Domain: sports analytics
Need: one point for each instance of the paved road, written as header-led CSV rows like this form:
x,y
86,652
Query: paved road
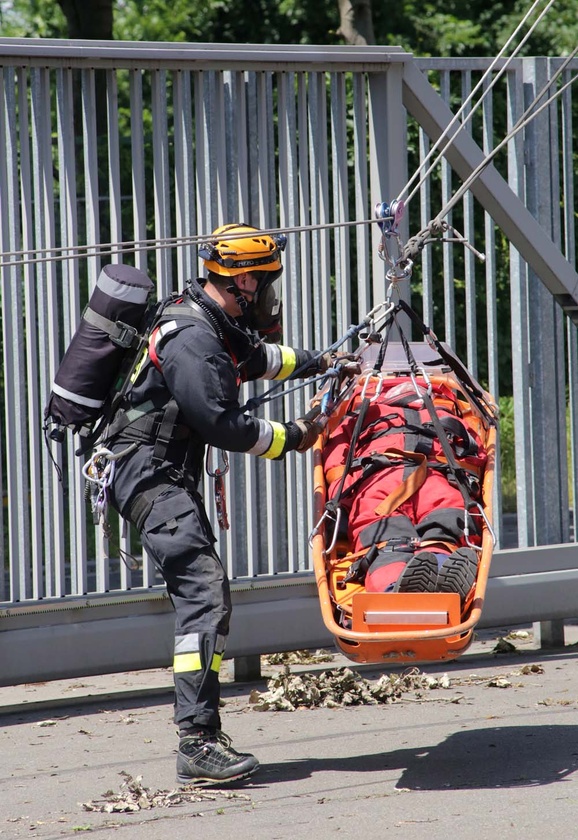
x,y
473,761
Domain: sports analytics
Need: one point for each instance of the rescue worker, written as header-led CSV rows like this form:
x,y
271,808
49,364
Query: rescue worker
x,y
185,397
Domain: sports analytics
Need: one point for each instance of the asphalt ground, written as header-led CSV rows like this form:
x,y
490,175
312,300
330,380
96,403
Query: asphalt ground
x,y
492,755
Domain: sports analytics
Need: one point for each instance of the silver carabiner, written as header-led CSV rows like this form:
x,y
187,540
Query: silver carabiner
x,y
317,529
378,387
218,473
482,513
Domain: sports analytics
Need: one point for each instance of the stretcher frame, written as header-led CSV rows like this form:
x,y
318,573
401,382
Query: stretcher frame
x,y
399,627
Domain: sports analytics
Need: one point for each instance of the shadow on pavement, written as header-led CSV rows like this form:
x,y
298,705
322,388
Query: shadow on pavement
x,y
501,757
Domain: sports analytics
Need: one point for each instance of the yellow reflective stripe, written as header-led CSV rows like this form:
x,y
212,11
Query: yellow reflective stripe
x,y
186,662
288,362
140,365
277,444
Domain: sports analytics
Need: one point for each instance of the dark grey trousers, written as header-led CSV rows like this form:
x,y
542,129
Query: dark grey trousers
x,y
178,537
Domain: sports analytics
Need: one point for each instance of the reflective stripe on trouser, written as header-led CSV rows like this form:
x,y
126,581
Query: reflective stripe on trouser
x,y
188,654
178,539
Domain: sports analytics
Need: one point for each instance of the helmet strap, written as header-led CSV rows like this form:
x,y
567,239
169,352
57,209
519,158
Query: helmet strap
x,y
240,299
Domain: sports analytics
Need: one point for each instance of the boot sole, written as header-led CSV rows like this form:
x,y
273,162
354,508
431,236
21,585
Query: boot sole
x,y
419,575
208,782
458,573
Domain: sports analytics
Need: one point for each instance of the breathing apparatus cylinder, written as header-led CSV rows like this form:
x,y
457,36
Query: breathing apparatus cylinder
x,y
92,362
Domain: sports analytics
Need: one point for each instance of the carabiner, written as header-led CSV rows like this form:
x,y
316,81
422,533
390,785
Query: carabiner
x,y
482,513
218,472
378,387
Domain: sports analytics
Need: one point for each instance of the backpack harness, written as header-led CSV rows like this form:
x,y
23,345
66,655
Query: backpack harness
x,y
145,423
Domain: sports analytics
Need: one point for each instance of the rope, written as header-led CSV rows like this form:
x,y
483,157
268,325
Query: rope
x,y
528,115
64,252
467,101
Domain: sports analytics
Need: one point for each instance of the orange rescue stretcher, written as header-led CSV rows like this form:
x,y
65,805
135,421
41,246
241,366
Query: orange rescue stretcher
x,y
370,627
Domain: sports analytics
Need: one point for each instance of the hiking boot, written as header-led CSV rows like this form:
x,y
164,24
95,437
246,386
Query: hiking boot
x,y
458,573
207,758
420,574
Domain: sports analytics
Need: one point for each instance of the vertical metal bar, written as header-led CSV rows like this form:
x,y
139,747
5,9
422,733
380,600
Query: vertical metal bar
x,y
296,477
304,210
568,204
203,168
469,258
139,204
114,177
92,221
274,548
6,118
37,464
14,351
319,209
520,332
241,545
91,190
340,201
184,174
448,254
548,427
492,330
46,283
115,215
560,502
159,115
139,216
388,167
362,204
425,215
215,106
10,280
71,314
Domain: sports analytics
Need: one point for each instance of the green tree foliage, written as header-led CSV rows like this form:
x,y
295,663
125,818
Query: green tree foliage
x,y
434,27
31,19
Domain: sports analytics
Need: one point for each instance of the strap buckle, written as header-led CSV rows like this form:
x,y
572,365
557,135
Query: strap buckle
x,y
125,336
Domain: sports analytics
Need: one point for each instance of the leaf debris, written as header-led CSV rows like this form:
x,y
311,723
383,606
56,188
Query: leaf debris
x,y
339,687
134,796
299,657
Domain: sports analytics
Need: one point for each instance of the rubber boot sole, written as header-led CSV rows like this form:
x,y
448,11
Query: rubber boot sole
x,y
458,573
419,575
208,782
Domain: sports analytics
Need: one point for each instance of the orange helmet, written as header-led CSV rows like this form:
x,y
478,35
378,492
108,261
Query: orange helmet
x,y
244,248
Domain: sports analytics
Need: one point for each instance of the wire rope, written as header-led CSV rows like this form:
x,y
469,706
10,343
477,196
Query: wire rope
x,y
457,115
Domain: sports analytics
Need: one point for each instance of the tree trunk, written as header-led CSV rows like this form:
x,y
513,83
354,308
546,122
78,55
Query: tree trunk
x,y
88,19
356,21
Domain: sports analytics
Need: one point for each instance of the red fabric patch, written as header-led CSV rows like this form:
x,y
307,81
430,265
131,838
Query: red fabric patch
x,y
380,579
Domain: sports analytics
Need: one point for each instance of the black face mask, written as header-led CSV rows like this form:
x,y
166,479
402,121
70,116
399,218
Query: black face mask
x,y
264,315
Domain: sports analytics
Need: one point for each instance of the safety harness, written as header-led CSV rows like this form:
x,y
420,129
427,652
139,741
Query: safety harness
x,y
147,424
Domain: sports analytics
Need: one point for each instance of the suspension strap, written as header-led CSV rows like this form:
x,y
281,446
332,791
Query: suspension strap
x,y
458,472
463,374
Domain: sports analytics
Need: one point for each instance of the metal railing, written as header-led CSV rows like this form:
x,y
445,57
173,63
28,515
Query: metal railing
x,y
151,145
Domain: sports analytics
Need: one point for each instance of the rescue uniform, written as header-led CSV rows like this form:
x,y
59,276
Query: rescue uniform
x,y
187,399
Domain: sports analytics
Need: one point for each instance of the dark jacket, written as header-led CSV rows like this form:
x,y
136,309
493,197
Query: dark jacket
x,y
200,364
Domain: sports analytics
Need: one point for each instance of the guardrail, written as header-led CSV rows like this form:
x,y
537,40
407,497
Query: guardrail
x,y
114,633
